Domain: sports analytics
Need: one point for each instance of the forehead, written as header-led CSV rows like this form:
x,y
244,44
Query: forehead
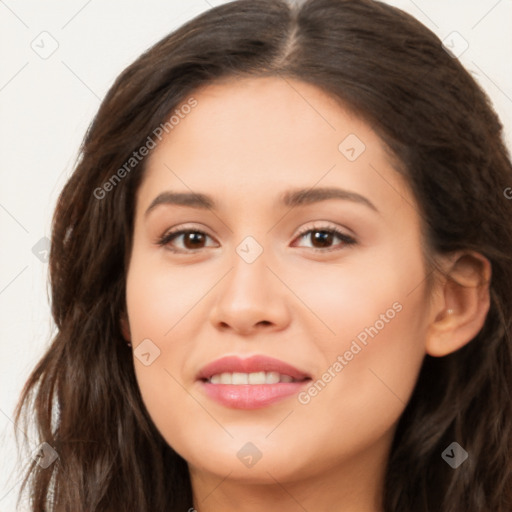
x,y
279,112
254,137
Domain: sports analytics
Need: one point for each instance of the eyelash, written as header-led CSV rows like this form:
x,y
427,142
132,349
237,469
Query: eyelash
x,y
165,239
347,240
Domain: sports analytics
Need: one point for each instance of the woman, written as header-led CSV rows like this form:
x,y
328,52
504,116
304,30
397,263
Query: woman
x,y
280,275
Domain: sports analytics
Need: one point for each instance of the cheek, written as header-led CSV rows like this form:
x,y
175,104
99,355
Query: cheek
x,y
159,297
365,386
372,360
163,304
365,290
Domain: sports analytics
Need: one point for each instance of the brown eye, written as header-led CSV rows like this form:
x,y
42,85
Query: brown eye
x,y
323,238
191,239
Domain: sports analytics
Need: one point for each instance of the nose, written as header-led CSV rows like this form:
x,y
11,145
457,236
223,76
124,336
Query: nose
x,y
251,299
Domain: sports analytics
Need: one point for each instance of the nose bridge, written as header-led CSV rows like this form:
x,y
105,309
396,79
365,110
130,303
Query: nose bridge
x,y
249,278
250,294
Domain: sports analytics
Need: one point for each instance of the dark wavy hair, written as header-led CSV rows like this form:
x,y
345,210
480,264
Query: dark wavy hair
x,y
441,129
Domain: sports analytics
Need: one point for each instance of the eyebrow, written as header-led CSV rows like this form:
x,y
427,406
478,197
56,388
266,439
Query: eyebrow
x,y
301,197
290,198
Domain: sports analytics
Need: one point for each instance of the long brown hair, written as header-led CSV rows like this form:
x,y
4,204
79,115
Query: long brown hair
x,y
439,126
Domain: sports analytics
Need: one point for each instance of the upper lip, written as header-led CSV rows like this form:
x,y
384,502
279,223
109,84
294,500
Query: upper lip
x,y
258,363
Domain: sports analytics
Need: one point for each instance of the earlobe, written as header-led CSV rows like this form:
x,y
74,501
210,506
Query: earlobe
x,y
464,302
125,327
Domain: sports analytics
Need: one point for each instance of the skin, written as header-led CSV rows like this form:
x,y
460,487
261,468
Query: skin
x,y
246,143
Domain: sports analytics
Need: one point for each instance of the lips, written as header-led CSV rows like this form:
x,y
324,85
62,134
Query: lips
x,y
250,383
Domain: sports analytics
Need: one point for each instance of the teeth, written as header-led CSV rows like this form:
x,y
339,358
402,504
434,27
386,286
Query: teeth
x,y
272,378
225,378
250,378
239,378
257,378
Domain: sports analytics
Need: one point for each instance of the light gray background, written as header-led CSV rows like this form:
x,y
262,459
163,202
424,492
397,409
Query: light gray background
x,y
47,102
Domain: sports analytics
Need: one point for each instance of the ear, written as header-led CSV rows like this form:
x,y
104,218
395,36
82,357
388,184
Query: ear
x,y
125,327
461,304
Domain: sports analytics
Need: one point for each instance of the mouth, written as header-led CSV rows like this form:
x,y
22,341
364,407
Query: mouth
x,y
250,383
254,378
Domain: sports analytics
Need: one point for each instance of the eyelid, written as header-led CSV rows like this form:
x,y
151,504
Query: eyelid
x,y
323,225
347,239
180,230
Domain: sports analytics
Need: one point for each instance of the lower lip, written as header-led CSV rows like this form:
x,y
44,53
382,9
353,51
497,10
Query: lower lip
x,y
251,396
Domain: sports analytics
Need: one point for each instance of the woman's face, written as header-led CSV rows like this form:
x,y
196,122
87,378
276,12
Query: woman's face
x,y
271,278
